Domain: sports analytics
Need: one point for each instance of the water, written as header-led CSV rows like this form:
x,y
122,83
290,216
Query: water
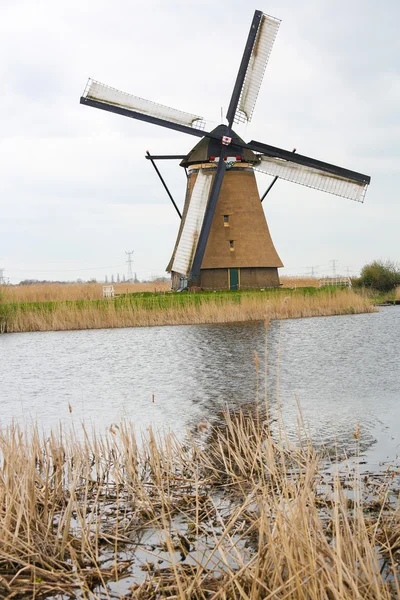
x,y
342,370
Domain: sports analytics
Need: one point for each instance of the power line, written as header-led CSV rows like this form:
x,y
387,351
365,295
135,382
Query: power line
x,y
303,267
313,270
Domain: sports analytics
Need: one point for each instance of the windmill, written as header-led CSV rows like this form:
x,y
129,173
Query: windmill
x,y
223,239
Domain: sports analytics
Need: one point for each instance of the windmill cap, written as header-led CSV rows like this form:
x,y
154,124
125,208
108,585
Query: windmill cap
x,y
208,148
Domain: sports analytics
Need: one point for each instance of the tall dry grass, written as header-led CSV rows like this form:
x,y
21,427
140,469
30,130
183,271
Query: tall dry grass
x,y
294,282
57,292
182,311
239,515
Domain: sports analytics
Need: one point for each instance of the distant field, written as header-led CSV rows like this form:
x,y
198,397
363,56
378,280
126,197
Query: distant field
x,y
57,292
293,282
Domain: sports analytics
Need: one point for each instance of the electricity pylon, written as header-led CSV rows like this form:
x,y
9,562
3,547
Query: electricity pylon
x,y
129,261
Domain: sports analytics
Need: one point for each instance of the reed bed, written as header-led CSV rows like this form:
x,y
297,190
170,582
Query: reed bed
x,y
180,309
59,292
238,512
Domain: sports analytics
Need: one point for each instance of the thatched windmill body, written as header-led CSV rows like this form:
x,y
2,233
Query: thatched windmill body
x,y
223,240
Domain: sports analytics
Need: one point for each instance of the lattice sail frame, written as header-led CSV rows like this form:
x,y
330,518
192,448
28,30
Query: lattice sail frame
x,y
187,245
313,178
103,93
262,48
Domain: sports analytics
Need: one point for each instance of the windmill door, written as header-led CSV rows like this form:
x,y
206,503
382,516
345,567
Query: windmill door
x,y
233,279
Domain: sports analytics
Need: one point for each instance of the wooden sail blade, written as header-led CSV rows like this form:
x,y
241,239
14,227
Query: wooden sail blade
x,y
103,93
274,152
193,224
313,177
107,98
258,48
208,219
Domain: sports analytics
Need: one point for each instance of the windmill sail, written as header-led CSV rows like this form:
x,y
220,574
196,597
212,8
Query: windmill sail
x,y
187,245
266,34
111,96
312,177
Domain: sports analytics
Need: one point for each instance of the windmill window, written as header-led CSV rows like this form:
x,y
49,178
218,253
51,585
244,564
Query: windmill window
x,y
226,220
232,245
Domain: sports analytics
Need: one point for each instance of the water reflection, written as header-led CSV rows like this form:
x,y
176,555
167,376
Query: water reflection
x,y
342,369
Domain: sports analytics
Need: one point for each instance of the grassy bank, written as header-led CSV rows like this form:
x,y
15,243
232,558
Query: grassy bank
x,y
238,514
377,298
148,309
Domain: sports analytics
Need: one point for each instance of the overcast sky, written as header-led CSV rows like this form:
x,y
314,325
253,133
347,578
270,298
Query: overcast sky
x,y
75,189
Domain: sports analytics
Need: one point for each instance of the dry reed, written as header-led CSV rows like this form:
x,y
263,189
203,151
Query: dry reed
x,y
239,515
58,292
185,310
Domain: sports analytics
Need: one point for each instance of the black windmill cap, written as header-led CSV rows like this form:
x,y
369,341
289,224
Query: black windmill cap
x,y
212,147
